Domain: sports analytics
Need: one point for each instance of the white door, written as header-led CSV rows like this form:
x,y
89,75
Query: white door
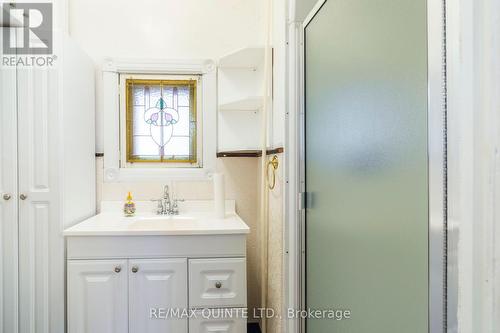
x,y
8,200
155,287
41,245
97,296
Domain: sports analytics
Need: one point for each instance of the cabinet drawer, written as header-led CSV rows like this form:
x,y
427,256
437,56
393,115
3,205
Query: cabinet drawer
x,y
218,321
215,283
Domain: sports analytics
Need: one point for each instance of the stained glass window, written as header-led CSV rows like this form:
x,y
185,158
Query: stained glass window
x,y
161,121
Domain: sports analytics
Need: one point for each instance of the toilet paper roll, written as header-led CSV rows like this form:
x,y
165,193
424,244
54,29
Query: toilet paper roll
x,y
219,195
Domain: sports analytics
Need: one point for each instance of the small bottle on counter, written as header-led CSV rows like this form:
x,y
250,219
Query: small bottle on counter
x,y
129,206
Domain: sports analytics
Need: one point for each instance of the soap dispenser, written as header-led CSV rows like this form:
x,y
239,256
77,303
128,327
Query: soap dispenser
x,y
129,206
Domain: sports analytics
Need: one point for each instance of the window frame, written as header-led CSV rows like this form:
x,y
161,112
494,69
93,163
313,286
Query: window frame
x,y
125,113
111,69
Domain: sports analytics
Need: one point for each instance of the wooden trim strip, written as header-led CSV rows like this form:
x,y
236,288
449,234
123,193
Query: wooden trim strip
x,y
237,153
249,153
273,151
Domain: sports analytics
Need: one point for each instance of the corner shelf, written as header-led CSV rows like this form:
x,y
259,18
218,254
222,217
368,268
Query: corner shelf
x,y
252,103
244,58
240,86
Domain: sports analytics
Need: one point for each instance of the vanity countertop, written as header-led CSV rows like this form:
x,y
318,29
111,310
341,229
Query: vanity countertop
x,y
195,218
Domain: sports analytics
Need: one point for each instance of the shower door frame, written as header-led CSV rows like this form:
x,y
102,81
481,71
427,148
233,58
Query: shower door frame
x,y
437,150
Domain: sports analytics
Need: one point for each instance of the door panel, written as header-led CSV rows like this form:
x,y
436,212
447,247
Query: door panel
x,y
41,245
366,165
8,204
97,296
157,284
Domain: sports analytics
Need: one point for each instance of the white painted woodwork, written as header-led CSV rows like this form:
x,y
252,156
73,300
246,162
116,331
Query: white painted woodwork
x,y
159,275
473,69
250,103
47,149
157,284
41,247
239,130
239,81
78,134
8,208
240,89
97,296
156,246
244,58
215,283
113,170
218,321
280,44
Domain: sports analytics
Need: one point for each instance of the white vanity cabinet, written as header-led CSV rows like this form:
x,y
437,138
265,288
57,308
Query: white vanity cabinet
x,y
130,283
120,295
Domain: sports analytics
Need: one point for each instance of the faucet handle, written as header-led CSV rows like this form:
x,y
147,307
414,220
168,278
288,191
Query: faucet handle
x,y
176,201
175,206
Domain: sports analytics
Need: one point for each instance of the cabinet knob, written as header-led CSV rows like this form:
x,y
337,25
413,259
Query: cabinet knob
x,y
23,196
218,284
6,196
118,269
135,269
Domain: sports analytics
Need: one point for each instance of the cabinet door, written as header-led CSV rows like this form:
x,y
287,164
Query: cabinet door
x,y
97,296
155,287
8,200
41,245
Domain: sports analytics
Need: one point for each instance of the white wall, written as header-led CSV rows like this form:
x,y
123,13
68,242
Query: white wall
x,y
165,29
474,164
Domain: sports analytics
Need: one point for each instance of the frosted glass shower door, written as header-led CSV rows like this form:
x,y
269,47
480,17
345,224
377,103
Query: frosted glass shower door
x,y
366,166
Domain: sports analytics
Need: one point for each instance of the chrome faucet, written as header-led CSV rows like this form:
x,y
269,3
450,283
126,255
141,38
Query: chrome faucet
x,y
166,206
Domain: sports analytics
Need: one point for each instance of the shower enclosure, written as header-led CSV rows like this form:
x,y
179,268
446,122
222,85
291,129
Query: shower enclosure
x,y
373,166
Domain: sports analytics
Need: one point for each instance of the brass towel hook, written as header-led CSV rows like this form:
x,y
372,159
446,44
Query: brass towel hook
x,y
274,164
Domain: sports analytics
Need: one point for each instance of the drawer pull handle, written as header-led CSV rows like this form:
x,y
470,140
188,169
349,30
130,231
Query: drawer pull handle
x,y
118,269
135,269
218,284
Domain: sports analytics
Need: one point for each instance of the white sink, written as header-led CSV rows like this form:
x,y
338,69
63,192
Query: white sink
x,y
196,218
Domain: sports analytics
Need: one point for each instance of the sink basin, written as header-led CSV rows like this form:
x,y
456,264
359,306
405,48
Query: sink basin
x,y
195,218
158,221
